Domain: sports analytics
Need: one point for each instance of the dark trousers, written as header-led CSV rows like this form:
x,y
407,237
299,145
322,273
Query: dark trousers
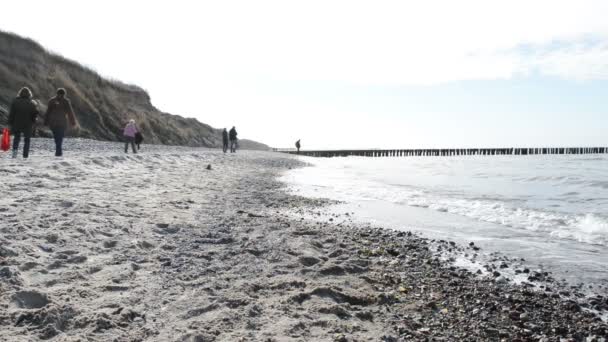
x,y
131,141
232,145
225,146
26,143
58,135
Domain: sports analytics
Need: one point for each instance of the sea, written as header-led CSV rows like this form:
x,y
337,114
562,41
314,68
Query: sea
x,y
549,210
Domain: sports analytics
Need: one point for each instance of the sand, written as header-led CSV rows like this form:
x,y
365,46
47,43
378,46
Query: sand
x,y
103,246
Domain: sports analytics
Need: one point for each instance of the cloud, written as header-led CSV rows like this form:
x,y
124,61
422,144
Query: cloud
x,y
361,42
404,43
578,60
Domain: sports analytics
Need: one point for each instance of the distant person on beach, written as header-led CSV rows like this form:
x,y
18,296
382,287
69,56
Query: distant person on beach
x,y
58,114
129,133
298,145
139,138
225,139
21,119
233,139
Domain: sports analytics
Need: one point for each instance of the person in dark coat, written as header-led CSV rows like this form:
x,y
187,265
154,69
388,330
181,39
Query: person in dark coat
x,y
225,139
233,139
21,119
298,145
139,138
58,114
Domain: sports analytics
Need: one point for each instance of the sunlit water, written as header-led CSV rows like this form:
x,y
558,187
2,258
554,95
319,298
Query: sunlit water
x,y
551,210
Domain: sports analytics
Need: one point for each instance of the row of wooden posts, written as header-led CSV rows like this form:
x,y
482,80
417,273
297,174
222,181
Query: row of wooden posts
x,y
449,152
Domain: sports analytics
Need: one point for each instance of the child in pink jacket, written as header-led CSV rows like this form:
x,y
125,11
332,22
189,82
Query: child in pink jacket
x,y
129,133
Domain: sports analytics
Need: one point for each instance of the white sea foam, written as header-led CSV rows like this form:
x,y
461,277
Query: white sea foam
x,y
566,198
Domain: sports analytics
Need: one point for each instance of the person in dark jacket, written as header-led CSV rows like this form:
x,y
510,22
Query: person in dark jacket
x,y
233,139
298,145
58,114
139,138
21,119
225,139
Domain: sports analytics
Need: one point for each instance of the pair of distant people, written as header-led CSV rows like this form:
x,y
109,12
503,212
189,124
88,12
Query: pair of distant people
x,y
230,137
132,136
24,113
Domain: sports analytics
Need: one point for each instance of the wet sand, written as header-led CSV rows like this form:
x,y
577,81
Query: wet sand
x,y
103,246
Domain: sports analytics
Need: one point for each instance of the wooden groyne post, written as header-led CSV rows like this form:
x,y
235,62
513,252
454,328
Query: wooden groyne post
x,y
516,151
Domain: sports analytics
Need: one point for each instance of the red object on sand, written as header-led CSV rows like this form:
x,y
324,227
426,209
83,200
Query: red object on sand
x,y
6,140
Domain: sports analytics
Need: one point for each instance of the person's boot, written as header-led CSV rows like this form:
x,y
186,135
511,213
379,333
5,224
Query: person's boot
x,y
14,153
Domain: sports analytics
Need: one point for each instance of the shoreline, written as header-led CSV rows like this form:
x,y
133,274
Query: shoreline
x,y
549,219
154,247
486,257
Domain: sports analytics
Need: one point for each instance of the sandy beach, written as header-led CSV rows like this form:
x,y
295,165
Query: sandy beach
x,y
106,246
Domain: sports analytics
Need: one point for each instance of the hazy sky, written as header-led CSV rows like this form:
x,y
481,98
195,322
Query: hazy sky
x,y
350,74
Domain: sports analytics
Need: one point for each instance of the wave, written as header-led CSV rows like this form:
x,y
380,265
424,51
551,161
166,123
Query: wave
x,y
588,228
555,197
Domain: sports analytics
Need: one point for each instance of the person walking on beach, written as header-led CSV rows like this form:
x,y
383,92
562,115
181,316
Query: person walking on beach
x,y
139,138
225,139
233,140
58,114
298,145
21,119
129,132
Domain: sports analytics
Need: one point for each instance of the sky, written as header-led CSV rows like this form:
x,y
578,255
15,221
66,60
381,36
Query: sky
x,y
350,74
